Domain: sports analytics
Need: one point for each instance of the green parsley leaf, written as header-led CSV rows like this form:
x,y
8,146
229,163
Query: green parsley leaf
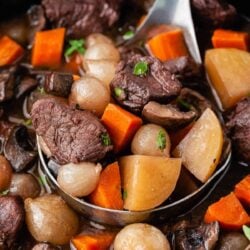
x,y
246,231
161,140
182,103
42,180
124,194
5,192
41,90
106,141
118,91
128,35
141,69
75,46
27,122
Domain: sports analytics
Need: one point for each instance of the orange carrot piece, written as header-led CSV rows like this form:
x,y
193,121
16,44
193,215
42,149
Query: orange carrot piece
x,y
168,45
230,39
108,191
10,51
48,48
73,64
93,242
121,125
242,190
229,212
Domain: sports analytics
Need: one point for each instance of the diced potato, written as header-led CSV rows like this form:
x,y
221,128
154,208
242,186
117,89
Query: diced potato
x,y
148,180
201,148
228,70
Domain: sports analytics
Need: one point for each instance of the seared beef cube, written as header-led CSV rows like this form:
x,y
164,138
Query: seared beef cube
x,y
7,83
58,84
239,129
135,91
11,219
71,135
27,84
183,67
214,12
82,17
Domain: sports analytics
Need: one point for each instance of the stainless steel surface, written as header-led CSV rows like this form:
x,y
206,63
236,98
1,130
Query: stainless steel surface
x,y
175,12
157,215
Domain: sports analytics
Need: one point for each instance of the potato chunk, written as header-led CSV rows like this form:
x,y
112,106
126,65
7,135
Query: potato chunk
x,y
148,180
201,148
228,70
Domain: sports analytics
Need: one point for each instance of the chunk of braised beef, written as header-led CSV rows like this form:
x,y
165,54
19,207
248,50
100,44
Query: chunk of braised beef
x,y
37,21
169,116
133,92
58,84
214,12
5,130
195,237
233,241
71,135
20,148
238,128
11,220
7,82
81,17
184,67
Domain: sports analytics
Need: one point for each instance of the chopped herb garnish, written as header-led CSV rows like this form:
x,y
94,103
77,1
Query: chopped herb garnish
x,y
41,90
105,139
183,104
42,180
141,69
246,231
124,194
128,35
161,140
5,192
27,122
75,46
118,91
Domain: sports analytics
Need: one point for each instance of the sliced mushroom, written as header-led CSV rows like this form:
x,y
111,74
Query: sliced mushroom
x,y
169,116
19,148
195,99
58,84
196,237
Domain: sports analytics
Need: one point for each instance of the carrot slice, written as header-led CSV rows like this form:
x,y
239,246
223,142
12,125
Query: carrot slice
x,y
229,212
230,39
168,45
93,242
108,191
48,48
121,125
242,190
10,51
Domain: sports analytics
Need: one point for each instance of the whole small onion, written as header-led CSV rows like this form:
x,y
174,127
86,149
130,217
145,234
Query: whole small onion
x,y
102,51
79,179
5,173
104,70
24,185
49,219
151,140
96,38
91,94
141,236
